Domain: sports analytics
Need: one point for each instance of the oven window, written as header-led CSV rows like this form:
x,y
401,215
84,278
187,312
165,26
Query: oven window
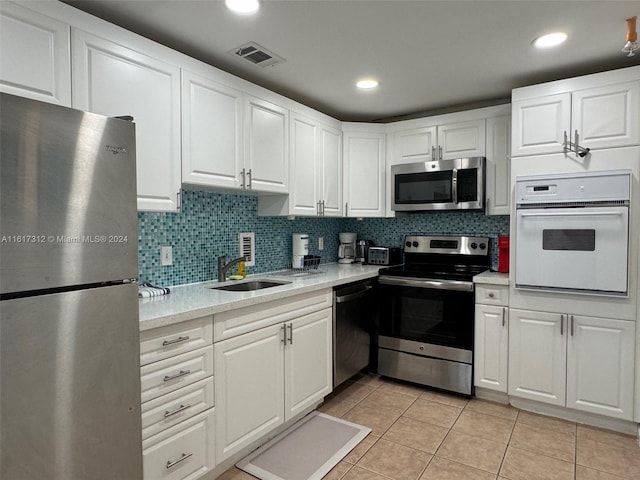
x,y
441,317
583,240
415,188
468,185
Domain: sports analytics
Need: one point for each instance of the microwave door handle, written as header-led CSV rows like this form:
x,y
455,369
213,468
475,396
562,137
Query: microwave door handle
x,y
454,186
569,214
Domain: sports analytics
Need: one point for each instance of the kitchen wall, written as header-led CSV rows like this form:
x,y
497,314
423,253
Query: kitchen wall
x,y
209,223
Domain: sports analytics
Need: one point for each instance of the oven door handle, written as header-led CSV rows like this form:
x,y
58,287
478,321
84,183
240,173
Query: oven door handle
x,y
422,283
569,214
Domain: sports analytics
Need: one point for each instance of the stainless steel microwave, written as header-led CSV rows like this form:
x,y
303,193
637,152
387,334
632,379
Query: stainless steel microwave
x,y
456,184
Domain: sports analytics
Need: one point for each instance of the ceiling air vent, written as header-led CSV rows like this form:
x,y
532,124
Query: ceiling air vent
x,y
257,55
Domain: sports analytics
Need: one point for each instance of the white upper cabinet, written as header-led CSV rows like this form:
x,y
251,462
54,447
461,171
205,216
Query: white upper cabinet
x,y
303,190
266,146
498,174
34,55
114,80
601,109
211,133
438,142
461,140
364,173
415,145
330,175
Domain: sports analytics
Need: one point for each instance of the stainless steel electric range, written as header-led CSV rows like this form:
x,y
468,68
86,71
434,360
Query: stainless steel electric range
x,y
425,330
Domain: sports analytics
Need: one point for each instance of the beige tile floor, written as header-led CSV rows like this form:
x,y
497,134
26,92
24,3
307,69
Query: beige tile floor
x,y
421,434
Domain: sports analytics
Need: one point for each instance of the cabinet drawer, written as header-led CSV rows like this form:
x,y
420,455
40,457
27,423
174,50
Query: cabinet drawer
x,y
242,320
176,372
175,407
492,294
183,452
164,342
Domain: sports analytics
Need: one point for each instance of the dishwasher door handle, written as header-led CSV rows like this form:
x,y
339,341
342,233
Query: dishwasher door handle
x,y
353,296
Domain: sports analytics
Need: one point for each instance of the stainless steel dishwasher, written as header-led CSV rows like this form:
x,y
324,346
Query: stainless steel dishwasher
x,y
352,325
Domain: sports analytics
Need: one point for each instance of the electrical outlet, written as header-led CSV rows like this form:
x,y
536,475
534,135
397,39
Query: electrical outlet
x,y
166,255
320,243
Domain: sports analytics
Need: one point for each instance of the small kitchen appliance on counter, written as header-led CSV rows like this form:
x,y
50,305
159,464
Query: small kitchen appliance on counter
x,y
300,248
347,248
384,256
362,250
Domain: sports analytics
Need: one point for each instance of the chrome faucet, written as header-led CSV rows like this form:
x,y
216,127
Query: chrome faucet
x,y
223,266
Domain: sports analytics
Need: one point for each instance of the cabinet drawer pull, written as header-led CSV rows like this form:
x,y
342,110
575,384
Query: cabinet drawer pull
x,y
181,459
175,340
181,373
168,413
491,295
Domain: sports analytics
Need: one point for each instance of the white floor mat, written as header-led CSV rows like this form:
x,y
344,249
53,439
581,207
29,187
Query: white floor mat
x,y
306,451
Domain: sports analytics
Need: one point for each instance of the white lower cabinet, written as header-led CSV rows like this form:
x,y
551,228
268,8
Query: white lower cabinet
x,y
491,338
583,363
267,376
177,400
183,452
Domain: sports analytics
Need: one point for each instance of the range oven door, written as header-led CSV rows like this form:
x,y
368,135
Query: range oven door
x,y
581,250
438,313
456,184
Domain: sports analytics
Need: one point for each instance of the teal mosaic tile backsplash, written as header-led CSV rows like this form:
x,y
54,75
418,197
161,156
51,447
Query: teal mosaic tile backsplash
x,y
209,223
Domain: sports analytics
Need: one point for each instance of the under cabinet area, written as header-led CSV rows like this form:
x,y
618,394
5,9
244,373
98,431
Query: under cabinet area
x,y
177,400
279,367
491,344
583,363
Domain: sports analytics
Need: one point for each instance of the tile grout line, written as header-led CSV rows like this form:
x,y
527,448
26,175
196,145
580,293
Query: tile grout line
x,y
504,455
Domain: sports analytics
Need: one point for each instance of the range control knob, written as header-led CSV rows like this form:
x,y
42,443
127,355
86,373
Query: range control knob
x,y
474,245
483,246
415,244
408,244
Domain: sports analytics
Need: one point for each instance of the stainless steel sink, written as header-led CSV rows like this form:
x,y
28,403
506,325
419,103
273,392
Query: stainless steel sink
x,y
250,285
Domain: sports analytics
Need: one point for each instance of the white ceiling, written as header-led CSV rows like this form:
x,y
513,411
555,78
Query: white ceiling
x,y
430,56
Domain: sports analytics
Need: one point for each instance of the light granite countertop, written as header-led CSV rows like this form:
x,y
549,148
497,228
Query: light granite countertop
x,y
186,302
493,278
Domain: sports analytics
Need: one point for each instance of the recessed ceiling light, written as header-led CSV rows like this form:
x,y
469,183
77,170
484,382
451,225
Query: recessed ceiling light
x,y
550,40
244,7
367,84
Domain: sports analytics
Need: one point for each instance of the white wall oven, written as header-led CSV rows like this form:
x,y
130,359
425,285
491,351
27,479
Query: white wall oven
x,y
572,232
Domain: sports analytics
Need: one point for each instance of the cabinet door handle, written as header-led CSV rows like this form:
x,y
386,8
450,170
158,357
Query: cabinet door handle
x,y
503,312
249,174
178,200
291,334
318,208
242,185
439,152
346,209
433,153
323,208
181,373
284,333
571,324
181,459
181,408
561,324
175,340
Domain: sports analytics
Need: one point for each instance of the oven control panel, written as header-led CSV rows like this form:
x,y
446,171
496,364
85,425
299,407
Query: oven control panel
x,y
446,245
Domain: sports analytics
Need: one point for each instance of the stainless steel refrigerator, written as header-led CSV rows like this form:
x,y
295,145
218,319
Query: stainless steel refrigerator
x,y
69,334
